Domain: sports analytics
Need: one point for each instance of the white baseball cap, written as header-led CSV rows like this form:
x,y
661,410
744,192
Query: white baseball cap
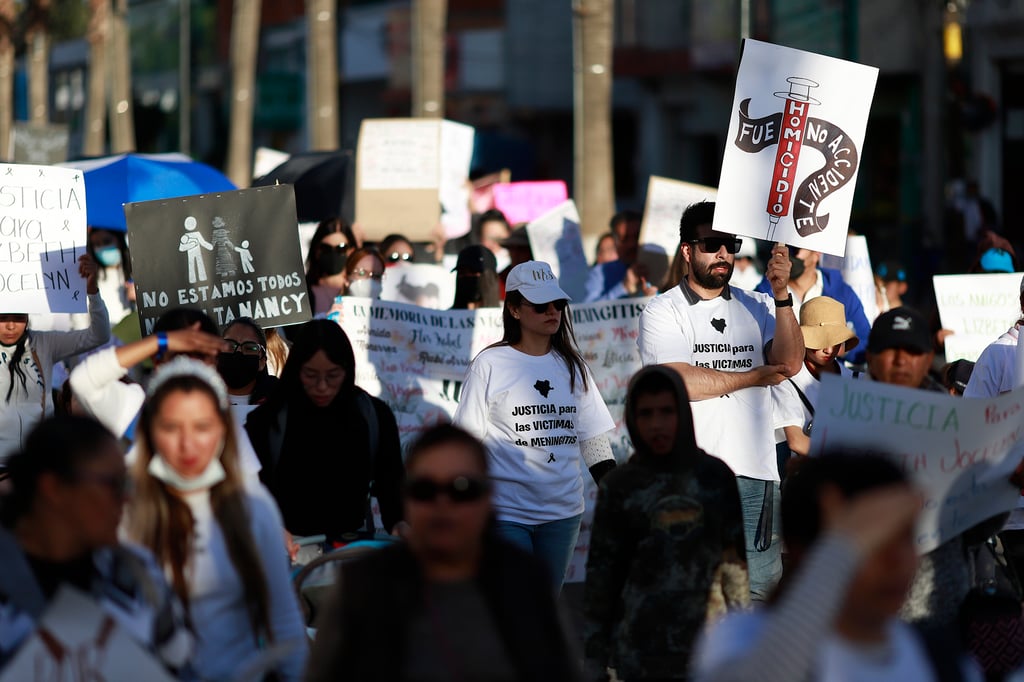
x,y
535,281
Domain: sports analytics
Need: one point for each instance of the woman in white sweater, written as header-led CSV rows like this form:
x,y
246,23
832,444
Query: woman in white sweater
x,y
221,545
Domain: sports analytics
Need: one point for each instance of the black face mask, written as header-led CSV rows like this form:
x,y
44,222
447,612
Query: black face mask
x,y
238,370
797,268
469,289
331,261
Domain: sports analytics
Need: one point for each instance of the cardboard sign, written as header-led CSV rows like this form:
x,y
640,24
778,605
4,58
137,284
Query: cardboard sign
x,y
42,234
422,284
406,171
414,359
39,144
666,201
522,202
234,254
77,641
977,309
857,272
959,451
555,239
795,140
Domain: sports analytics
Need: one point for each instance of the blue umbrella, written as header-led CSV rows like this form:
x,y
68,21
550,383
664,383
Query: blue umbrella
x,y
113,181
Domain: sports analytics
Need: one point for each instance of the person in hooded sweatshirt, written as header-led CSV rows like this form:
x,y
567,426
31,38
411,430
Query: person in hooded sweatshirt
x,y
666,547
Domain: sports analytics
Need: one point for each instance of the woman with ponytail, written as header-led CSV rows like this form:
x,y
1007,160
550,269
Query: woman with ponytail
x,y
27,359
220,545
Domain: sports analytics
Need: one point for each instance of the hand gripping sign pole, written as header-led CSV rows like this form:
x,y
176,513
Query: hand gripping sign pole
x,y
794,119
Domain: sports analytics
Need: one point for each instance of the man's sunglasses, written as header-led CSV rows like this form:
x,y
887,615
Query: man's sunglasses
x,y
459,489
541,308
714,244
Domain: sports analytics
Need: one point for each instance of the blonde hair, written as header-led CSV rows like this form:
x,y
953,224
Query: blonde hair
x,y
160,520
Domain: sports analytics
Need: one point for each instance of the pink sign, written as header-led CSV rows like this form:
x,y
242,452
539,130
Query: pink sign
x,y
521,202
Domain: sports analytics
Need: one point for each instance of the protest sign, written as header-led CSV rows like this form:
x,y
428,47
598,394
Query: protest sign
x,y
43,145
406,171
959,451
555,239
666,201
856,269
455,189
793,148
42,235
232,254
77,641
522,202
415,359
267,159
977,309
422,284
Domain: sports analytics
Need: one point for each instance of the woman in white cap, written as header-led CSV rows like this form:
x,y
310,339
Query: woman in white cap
x,y
221,545
532,400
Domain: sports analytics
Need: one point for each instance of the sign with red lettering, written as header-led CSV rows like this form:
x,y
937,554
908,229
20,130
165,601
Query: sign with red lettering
x,y
802,194
959,451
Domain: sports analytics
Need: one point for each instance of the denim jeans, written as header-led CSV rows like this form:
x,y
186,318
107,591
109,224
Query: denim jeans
x,y
552,542
765,567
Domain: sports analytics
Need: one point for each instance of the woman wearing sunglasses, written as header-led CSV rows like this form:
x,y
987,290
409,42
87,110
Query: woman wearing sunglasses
x,y
532,400
243,366
329,250
364,273
455,602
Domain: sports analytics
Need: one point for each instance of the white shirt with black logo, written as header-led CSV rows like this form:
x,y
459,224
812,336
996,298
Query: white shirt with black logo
x,y
521,407
727,334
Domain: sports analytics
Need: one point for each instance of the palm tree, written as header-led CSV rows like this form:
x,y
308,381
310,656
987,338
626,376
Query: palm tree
x,y
37,41
245,35
594,187
7,16
428,43
122,125
321,18
96,101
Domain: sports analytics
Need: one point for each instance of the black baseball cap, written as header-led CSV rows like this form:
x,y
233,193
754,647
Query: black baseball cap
x,y
900,328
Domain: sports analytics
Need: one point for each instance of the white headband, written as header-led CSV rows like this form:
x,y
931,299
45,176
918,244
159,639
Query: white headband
x,y
184,366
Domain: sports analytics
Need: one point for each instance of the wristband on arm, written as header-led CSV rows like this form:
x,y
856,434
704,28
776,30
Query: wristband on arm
x,y
161,345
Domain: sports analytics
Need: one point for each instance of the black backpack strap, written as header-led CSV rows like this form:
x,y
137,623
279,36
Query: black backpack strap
x,y
803,398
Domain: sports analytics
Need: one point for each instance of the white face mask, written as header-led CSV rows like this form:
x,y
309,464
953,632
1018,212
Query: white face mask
x,y
367,288
211,476
504,260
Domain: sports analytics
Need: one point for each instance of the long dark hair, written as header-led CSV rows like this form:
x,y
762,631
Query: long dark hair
x,y
326,227
316,335
162,521
14,364
563,341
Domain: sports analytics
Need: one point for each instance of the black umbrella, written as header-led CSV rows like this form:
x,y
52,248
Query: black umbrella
x,y
324,184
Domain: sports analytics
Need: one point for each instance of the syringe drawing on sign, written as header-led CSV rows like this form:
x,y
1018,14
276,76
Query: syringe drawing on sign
x,y
794,122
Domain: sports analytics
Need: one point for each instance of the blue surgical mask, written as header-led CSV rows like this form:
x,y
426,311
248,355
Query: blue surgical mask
x,y
108,256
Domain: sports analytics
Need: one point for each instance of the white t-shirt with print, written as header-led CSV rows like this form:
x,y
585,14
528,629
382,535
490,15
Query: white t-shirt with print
x,y
729,335
521,407
787,407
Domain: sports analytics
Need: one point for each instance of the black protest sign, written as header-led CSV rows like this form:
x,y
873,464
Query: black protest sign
x,y
231,255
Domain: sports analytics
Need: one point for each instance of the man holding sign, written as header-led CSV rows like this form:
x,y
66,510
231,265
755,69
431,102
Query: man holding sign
x,y
716,336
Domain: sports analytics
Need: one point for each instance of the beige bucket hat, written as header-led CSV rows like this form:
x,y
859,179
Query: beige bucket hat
x,y
823,323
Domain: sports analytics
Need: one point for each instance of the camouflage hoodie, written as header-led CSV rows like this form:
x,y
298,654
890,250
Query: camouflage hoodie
x,y
666,551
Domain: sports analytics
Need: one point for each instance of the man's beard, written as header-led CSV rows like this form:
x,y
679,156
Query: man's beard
x,y
706,279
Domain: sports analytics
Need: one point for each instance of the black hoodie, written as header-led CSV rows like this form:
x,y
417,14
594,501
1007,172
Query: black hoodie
x,y
666,549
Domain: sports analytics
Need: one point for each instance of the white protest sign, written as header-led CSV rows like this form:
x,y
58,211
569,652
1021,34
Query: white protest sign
x,y
959,451
39,144
856,269
42,235
422,284
977,309
793,148
964,346
79,642
666,201
555,239
409,172
414,359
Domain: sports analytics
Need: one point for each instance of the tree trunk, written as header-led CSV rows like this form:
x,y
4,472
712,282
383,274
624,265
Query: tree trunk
x,y
594,186
245,35
321,19
428,47
37,40
122,124
7,15
96,99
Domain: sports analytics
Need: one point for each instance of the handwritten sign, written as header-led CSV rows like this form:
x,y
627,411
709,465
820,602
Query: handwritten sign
x,y
959,451
422,284
666,201
793,150
42,234
856,269
521,202
977,308
39,144
79,642
406,169
234,254
555,239
414,359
